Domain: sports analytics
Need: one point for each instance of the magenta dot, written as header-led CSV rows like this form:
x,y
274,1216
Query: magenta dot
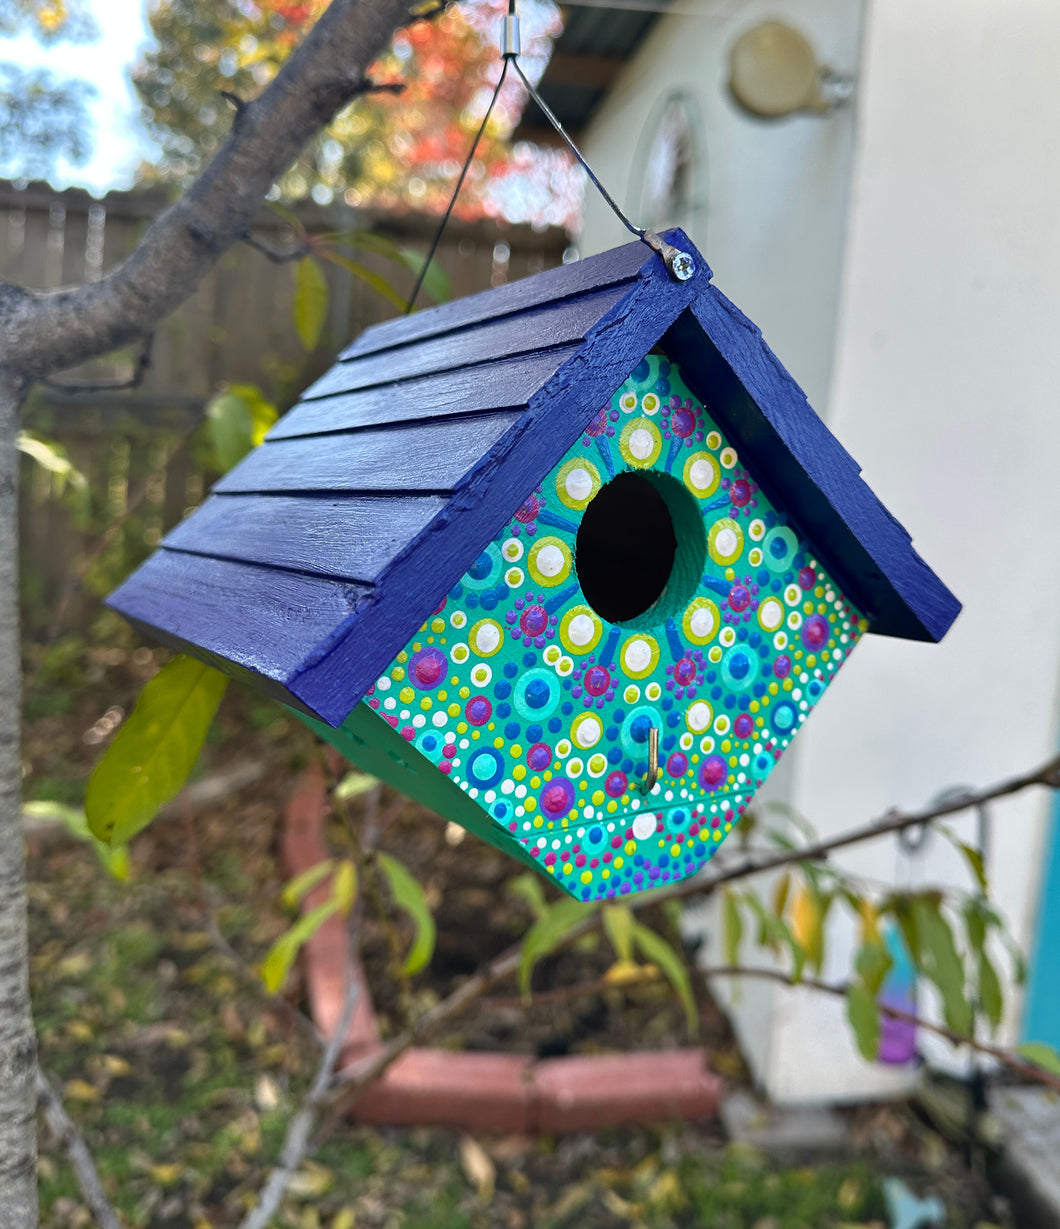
x,y
596,680
599,424
449,751
677,764
539,756
408,733
682,423
528,512
445,766
478,710
740,492
782,666
616,783
428,668
685,672
814,632
712,772
557,798
534,620
739,598
807,578
743,726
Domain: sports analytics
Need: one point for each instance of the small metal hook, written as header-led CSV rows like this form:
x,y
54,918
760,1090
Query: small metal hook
x,y
648,784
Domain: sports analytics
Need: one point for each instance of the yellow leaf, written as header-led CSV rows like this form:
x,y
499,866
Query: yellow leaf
x,y
114,1065
81,1090
627,973
478,1167
311,1181
166,1175
345,1218
344,886
75,965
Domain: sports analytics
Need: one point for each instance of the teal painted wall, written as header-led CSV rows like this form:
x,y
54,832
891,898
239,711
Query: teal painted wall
x,y
538,709
1041,1013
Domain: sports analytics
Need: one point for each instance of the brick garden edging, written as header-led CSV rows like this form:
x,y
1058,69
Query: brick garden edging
x,y
481,1091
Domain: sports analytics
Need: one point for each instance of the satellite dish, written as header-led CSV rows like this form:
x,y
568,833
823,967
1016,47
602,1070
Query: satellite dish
x,y
773,72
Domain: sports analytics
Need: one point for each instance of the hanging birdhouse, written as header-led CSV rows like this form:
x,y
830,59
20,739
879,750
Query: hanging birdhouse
x,y
570,562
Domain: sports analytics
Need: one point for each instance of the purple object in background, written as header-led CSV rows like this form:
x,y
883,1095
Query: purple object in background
x,y
897,1037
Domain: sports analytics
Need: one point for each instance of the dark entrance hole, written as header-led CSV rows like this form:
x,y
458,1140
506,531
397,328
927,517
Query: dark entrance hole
x,y
625,548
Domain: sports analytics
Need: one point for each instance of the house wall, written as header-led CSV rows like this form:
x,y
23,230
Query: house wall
x,y
933,331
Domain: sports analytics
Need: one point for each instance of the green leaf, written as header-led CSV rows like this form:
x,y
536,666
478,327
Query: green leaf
x,y
798,954
376,280
974,858
974,925
153,752
294,890
941,962
238,419
873,962
310,301
353,784
435,280
731,927
546,933
50,456
280,957
618,923
529,887
655,948
864,1020
114,858
1042,1055
344,887
991,1000
781,890
409,895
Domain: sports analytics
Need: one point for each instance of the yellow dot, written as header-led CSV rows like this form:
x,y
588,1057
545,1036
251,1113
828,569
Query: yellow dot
x,y
675,849
443,696
730,574
397,674
538,821
464,691
516,751
625,800
403,656
733,761
535,782
662,843
519,771
476,735
612,807
788,684
547,774
605,873
631,847
583,784
491,726
437,625
453,710
726,746
425,704
704,834
462,728
430,640
530,804
567,868
717,834
406,695
551,869
760,721
598,798
754,706
826,656
587,876
819,591
773,689
695,757
619,862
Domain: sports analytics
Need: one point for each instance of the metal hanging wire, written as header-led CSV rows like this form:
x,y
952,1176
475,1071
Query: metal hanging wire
x,y
680,264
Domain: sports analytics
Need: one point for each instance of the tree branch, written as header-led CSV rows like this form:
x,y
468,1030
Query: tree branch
x,y
72,388
278,256
46,331
77,1151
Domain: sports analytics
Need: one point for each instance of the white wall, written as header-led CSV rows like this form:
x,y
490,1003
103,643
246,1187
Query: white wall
x,y
921,311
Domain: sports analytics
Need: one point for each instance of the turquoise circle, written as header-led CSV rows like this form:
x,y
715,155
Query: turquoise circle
x,y
739,668
485,572
779,548
537,694
637,721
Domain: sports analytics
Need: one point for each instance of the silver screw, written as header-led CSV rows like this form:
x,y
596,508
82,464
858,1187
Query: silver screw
x,y
682,266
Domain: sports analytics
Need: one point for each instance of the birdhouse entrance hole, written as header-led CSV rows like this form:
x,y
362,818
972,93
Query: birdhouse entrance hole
x,y
640,549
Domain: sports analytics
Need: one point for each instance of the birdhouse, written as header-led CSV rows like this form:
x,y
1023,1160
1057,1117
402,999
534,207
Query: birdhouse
x,y
570,562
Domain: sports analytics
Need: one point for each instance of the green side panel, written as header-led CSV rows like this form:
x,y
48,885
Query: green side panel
x,y
646,582
378,749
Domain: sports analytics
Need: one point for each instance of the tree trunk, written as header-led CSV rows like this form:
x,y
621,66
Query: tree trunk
x,y
18,1048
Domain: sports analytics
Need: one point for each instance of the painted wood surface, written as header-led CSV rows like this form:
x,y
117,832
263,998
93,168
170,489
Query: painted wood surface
x,y
417,458
266,620
348,538
619,265
498,386
541,329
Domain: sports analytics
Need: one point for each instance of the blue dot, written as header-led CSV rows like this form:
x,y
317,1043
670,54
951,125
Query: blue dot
x,y
672,720
554,725
596,834
619,714
763,651
537,693
763,578
760,690
489,602
471,601
667,704
739,666
511,730
744,702
567,709
742,634
504,710
614,756
799,562
669,742
715,693
730,701
627,766
638,731
529,659
778,548
712,676
511,669
638,859
611,733
755,640
533,733
502,690
480,569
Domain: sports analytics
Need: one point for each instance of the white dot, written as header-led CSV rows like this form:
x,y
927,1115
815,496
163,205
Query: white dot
x,y
507,787
439,718
699,716
702,622
589,732
771,614
579,484
701,474
637,656
725,543
644,826
382,684
581,630
550,560
419,721
641,443
487,638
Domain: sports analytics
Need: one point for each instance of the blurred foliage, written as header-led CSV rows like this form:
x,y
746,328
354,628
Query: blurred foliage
x,y
383,151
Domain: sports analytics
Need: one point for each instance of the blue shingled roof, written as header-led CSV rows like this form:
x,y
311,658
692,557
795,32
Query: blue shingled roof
x,y
321,553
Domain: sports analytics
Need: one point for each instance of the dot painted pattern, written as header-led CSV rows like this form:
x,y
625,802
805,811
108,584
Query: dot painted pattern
x,y
541,710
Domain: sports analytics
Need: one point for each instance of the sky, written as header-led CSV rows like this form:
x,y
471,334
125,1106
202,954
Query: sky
x,y
119,139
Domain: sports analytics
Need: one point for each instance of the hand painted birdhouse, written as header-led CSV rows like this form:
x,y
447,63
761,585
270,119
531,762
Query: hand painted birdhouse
x,y
570,561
